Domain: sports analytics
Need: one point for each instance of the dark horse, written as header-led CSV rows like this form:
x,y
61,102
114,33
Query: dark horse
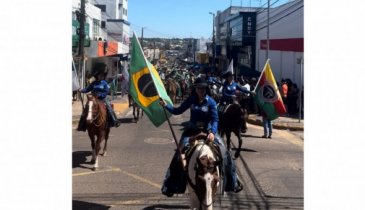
x,y
136,111
96,123
231,120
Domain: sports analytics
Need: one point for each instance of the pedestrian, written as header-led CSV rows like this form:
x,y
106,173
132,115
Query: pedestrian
x,y
292,99
284,93
100,88
267,124
203,118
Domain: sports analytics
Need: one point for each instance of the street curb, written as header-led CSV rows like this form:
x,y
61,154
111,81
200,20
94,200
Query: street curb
x,y
281,126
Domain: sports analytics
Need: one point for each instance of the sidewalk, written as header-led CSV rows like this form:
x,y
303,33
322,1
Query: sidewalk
x,y
285,123
120,105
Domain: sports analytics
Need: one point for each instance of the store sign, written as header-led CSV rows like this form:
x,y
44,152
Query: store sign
x,y
249,25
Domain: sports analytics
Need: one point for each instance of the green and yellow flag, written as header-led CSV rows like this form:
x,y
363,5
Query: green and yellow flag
x,y
145,85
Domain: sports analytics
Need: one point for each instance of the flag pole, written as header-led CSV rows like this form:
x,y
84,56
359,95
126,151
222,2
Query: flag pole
x,y
173,134
168,120
254,90
77,79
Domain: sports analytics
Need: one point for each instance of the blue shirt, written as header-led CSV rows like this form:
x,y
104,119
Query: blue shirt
x,y
205,112
230,89
100,88
213,80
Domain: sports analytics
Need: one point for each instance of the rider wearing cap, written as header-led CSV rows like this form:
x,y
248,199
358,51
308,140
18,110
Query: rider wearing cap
x,y
100,88
203,117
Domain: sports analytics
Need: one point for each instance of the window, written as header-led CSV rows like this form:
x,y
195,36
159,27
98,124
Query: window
x,y
96,26
102,24
120,6
102,7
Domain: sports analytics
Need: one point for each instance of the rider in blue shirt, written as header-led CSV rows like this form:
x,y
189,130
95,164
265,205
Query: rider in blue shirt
x,y
230,87
100,88
203,117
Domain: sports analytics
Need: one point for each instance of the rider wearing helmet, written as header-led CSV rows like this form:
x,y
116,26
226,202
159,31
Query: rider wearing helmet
x,y
203,117
100,88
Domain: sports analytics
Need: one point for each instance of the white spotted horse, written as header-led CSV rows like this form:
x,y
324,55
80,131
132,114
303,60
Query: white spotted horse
x,y
202,174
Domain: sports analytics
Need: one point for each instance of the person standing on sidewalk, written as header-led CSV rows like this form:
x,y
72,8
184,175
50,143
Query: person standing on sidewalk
x,y
100,88
267,124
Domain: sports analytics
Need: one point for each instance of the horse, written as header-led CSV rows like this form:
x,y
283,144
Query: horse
x,y
203,175
231,120
96,124
171,88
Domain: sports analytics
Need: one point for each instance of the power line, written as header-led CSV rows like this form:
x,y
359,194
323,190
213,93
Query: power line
x,y
281,18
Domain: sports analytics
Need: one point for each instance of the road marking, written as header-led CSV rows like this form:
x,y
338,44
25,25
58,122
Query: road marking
x,y
124,172
136,201
142,179
99,171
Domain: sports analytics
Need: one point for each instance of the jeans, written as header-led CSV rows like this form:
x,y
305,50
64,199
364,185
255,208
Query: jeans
x,y
267,126
113,120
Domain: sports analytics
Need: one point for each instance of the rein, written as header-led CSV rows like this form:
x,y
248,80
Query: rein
x,y
101,120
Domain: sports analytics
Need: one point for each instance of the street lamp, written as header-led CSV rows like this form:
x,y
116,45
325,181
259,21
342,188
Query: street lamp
x,y
213,43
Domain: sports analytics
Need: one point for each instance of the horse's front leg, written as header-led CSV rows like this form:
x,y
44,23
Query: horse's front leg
x,y
92,139
238,134
97,148
106,136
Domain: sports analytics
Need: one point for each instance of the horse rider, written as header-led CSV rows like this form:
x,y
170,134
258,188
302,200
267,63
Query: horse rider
x,y
100,88
203,117
230,87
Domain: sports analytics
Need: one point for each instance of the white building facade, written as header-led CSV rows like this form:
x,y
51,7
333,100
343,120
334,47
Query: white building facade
x,y
286,41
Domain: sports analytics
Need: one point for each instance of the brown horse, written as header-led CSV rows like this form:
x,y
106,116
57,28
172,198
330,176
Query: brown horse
x,y
96,123
171,88
231,120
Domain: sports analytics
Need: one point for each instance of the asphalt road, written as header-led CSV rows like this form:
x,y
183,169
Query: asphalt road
x,y
131,175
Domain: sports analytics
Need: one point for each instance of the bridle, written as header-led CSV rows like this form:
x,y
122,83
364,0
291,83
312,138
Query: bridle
x,y
101,120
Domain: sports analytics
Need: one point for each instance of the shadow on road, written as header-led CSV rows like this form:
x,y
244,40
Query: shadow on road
x,y
82,205
127,120
245,150
165,206
79,157
245,135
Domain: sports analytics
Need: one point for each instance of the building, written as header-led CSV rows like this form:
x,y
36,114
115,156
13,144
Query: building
x,y
107,38
241,35
286,40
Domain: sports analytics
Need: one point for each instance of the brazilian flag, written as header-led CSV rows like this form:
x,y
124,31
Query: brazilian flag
x,y
145,85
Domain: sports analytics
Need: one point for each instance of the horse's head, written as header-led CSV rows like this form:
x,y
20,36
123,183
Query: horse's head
x,y
94,109
204,176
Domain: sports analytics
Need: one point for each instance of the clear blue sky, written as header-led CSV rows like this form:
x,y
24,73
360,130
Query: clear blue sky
x,y
180,18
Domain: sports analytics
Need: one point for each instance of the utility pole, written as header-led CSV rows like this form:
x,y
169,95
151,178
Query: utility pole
x,y
81,42
268,30
213,43
142,38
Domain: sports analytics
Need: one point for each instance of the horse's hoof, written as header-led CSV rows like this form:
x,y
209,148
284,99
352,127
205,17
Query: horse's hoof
x,y
103,154
94,168
92,161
